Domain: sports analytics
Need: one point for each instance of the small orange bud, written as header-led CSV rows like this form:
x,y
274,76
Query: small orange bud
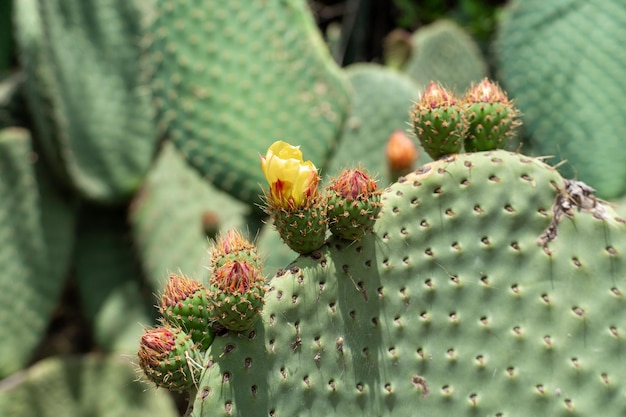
x,y
401,152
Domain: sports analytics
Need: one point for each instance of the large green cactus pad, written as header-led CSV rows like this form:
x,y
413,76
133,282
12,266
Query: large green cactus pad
x,y
92,385
230,78
451,308
572,107
36,235
91,110
380,100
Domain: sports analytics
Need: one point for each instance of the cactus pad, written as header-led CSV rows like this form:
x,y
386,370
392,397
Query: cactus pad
x,y
91,385
451,307
572,108
231,78
34,255
91,109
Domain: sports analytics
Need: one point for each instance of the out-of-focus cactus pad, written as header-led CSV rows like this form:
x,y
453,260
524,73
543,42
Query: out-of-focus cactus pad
x,y
167,214
103,386
230,78
380,99
36,242
564,63
451,308
91,110
444,52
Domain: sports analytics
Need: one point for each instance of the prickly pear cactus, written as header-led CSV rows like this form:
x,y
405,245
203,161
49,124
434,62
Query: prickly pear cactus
x,y
551,84
232,77
491,286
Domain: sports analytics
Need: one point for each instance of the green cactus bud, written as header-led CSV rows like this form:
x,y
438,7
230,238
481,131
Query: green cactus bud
x,y
353,204
491,117
293,200
438,122
304,229
233,246
169,358
185,303
237,291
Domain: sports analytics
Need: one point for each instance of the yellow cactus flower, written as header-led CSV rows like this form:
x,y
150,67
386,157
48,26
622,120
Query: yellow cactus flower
x,y
293,182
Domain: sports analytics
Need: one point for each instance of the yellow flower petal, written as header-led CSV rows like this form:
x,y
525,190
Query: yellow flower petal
x,y
292,181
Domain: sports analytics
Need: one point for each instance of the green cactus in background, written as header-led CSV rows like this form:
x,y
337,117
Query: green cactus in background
x,y
444,52
488,277
91,108
36,231
93,385
564,63
380,99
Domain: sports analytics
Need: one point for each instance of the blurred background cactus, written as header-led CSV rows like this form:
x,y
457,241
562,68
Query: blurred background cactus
x,y
130,133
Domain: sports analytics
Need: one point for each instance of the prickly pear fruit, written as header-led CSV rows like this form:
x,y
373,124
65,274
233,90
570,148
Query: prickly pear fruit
x,y
185,303
233,246
401,154
438,122
353,204
293,200
237,291
169,358
491,117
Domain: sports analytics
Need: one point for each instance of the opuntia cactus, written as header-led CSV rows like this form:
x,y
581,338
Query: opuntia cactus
x,y
460,299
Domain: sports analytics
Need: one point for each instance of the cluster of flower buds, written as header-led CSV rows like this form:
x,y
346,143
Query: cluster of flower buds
x,y
302,214
171,355
481,121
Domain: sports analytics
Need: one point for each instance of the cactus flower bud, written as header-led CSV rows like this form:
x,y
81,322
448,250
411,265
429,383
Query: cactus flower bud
x,y
293,201
293,182
353,204
185,303
492,118
237,291
232,245
169,358
438,122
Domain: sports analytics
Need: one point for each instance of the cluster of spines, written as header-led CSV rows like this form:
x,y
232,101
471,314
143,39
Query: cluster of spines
x,y
481,121
193,314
